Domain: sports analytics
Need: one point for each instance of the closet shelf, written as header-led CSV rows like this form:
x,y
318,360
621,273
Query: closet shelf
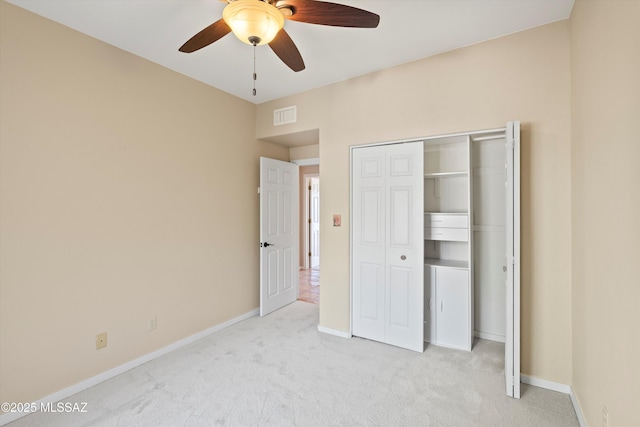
x,y
446,263
445,174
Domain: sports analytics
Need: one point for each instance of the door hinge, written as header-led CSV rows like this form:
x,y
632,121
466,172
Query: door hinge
x,y
309,188
309,220
309,253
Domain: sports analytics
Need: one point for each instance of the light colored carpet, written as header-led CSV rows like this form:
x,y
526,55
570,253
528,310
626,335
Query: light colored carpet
x,y
280,371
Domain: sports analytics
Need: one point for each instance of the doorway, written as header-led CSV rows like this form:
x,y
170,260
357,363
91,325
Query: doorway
x,y
310,234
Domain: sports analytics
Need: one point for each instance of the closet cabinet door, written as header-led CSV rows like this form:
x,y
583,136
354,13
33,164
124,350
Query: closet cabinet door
x,y
452,308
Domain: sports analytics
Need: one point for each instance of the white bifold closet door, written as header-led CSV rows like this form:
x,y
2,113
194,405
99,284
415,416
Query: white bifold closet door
x,y
512,203
387,239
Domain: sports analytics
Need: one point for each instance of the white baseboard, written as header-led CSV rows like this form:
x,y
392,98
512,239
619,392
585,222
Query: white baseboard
x,y
549,385
562,388
8,417
335,332
577,408
488,336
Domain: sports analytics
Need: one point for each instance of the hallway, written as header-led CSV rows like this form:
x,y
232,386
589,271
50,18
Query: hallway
x,y
309,286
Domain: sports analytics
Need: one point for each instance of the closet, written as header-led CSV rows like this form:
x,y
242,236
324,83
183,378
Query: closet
x,y
435,242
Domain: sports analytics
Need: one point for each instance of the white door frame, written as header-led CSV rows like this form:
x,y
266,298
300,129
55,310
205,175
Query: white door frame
x,y
307,214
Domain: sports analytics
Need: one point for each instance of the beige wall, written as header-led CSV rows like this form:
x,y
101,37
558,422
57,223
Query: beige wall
x,y
524,76
304,152
120,202
110,209
605,47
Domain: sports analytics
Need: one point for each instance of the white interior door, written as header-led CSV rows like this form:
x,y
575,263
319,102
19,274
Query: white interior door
x,y
314,226
278,234
512,232
387,233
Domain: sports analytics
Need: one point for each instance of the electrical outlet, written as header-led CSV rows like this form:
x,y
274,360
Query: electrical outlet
x,y
101,340
605,416
153,323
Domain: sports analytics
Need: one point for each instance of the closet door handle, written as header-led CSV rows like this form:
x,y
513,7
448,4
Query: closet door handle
x,y
403,257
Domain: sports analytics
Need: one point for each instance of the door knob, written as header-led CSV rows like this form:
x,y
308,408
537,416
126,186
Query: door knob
x,y
403,257
504,268
266,245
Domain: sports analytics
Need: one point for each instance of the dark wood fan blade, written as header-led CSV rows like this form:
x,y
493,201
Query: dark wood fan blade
x,y
287,51
213,32
325,13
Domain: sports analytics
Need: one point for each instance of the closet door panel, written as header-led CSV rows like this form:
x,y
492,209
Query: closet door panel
x,y
371,222
404,258
400,227
369,242
399,297
372,291
387,236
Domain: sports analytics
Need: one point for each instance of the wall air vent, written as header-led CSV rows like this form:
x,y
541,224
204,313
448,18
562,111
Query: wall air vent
x,y
283,116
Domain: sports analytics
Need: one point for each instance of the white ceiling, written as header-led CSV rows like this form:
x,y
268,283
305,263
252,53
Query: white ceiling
x,y
408,30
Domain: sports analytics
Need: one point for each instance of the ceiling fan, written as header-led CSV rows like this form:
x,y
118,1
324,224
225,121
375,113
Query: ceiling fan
x,y
258,22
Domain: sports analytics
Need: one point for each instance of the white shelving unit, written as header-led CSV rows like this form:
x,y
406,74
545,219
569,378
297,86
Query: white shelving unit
x,y
448,246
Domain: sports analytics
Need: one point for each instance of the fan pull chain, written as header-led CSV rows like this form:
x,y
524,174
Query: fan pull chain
x,y
255,76
254,40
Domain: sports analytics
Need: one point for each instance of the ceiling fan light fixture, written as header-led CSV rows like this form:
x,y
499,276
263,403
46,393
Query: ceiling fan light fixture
x,y
254,22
